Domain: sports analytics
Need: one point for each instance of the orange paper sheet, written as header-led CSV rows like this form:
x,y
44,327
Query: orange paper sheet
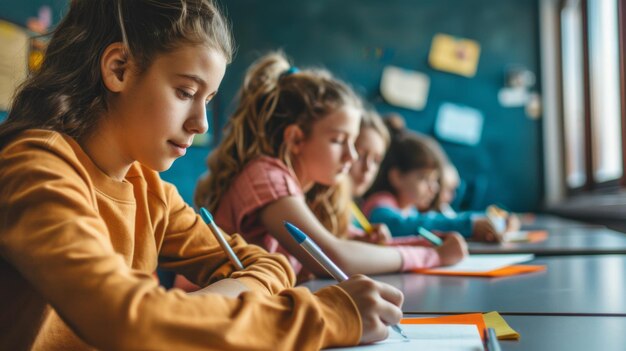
x,y
502,272
533,236
537,236
471,318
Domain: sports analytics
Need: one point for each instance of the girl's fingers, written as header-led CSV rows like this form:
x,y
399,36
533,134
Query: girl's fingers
x,y
391,294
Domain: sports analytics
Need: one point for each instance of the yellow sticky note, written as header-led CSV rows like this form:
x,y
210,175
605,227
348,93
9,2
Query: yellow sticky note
x,y
503,330
454,55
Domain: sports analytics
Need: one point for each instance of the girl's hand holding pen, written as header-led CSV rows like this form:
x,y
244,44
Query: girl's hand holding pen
x,y
484,230
453,249
513,223
378,304
379,234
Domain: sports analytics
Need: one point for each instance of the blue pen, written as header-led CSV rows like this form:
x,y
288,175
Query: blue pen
x,y
428,235
492,340
208,219
309,246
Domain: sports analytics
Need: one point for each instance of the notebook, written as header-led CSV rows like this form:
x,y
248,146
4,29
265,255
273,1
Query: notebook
x,y
442,337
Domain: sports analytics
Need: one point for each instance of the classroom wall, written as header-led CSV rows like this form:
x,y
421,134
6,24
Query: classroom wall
x,y
356,39
18,12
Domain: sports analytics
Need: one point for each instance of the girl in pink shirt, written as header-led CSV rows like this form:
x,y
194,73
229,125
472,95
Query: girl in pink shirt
x,y
286,157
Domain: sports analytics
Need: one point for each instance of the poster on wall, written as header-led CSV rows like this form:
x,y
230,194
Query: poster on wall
x,y
14,42
404,88
454,55
459,124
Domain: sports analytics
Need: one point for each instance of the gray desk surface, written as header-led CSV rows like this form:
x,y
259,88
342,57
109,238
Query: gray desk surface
x,y
544,221
572,333
580,285
563,241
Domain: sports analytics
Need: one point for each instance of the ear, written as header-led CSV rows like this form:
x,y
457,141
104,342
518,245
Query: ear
x,y
395,178
114,65
293,137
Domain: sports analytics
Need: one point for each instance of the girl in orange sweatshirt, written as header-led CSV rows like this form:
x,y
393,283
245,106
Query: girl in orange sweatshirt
x,y
85,218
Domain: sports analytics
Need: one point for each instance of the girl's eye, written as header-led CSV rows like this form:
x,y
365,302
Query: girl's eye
x,y
183,94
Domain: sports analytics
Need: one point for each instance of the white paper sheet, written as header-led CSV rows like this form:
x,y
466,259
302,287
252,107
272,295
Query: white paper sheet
x,y
520,236
440,337
486,263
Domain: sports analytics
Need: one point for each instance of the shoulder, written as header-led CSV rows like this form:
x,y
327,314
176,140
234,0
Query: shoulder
x,y
261,182
40,151
38,142
45,164
380,199
265,165
268,176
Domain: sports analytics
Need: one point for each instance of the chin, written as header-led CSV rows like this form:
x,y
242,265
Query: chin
x,y
359,190
160,166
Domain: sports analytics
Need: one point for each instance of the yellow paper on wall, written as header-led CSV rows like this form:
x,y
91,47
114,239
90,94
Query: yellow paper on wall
x,y
454,55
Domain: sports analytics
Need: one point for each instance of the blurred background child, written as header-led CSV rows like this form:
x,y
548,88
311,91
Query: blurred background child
x,y
409,179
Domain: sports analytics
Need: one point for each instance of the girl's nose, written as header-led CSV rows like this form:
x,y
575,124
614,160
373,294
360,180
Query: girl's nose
x,y
351,154
197,123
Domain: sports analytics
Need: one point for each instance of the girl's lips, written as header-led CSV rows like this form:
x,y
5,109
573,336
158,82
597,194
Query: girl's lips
x,y
179,149
184,146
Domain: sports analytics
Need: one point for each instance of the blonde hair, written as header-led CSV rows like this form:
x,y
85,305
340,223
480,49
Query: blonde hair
x,y
273,97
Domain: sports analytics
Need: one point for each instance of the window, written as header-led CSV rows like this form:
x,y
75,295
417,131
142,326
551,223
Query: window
x,y
593,118
604,75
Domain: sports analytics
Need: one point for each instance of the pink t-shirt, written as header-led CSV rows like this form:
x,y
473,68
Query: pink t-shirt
x,y
262,181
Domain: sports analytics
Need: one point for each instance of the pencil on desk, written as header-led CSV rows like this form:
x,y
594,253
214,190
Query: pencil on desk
x,y
208,219
360,217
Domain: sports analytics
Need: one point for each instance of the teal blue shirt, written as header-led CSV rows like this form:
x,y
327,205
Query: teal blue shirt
x,y
382,208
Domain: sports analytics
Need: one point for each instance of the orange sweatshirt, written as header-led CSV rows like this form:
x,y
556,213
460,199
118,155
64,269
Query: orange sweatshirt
x,y
78,251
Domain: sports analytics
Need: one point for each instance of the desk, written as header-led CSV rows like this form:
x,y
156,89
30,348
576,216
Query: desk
x,y
571,285
572,333
543,221
562,241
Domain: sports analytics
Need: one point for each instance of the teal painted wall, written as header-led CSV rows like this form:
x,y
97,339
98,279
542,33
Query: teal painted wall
x,y
341,36
18,11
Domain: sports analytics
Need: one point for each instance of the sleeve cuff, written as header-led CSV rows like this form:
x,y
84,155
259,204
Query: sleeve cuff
x,y
342,315
415,257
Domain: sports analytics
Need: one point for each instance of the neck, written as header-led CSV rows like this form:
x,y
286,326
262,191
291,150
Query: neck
x,y
106,152
305,183
403,203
